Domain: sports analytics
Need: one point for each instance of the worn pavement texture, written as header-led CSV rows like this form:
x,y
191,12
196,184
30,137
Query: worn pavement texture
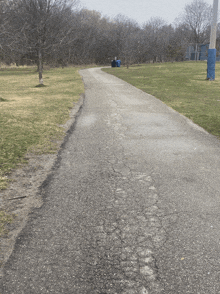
x,y
132,205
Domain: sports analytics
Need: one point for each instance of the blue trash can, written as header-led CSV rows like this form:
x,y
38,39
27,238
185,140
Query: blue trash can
x,y
118,63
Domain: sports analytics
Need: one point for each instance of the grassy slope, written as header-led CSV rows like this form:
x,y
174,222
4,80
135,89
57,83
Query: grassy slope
x,y
182,86
30,115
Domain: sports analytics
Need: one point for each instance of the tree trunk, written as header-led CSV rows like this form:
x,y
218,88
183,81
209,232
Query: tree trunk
x,y
40,63
69,57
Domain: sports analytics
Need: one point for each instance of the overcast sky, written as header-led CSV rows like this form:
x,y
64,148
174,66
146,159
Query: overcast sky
x,y
139,10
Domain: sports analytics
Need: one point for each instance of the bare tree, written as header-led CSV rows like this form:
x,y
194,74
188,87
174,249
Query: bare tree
x,y
50,31
3,30
39,28
196,17
155,35
127,39
179,40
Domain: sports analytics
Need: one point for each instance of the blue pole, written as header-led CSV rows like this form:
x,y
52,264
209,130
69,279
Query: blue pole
x,y
212,45
211,64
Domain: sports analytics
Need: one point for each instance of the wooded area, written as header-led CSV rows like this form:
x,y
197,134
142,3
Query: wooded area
x,y
57,32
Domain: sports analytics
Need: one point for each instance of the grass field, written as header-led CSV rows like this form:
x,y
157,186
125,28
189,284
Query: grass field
x,y
30,115
182,86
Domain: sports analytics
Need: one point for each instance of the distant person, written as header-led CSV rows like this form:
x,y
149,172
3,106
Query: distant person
x,y
114,63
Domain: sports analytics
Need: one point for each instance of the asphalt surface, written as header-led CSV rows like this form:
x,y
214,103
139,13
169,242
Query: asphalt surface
x,y
132,205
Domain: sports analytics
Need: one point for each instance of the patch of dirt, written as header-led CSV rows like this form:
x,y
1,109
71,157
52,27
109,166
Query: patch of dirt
x,y
23,193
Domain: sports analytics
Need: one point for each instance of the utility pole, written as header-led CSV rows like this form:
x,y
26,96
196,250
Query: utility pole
x,y
212,49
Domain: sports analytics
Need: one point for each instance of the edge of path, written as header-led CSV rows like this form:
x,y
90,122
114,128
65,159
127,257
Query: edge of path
x,y
23,195
188,120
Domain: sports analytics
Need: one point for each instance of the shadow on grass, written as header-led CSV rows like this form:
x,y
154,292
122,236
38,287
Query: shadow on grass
x,y
3,100
40,86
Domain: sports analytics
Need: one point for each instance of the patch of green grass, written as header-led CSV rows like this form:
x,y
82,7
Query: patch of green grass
x,y
2,99
182,86
29,121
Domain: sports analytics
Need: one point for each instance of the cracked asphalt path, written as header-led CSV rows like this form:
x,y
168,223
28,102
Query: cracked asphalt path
x,y
131,207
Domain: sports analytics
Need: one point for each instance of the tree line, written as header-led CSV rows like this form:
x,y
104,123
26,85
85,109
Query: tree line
x,y
57,32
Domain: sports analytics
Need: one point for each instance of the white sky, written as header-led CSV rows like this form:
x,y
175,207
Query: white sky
x,y
139,10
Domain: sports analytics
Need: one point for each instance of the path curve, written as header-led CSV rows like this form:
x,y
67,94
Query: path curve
x,y
131,207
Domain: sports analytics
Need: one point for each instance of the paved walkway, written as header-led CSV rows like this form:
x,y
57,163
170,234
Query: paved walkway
x,y
132,205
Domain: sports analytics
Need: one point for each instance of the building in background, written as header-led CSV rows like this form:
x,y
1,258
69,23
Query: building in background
x,y
200,52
